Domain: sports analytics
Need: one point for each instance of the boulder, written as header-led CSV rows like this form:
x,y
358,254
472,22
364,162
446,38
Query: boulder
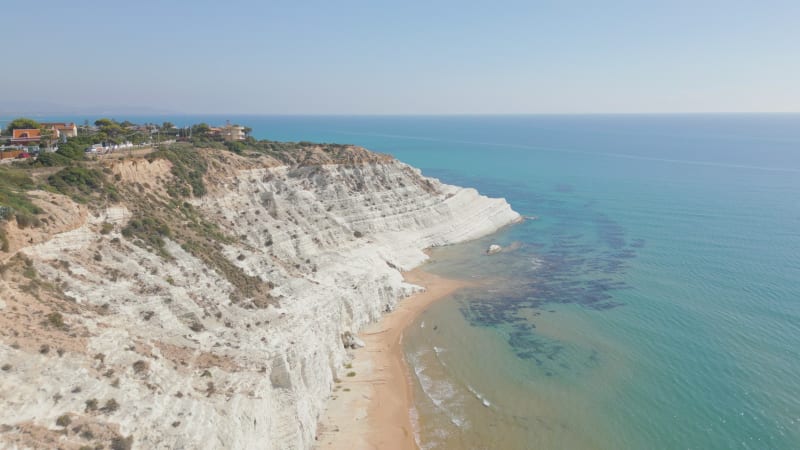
x,y
350,340
494,248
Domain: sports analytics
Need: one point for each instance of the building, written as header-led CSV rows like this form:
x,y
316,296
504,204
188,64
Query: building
x,y
233,133
26,136
228,132
60,130
66,130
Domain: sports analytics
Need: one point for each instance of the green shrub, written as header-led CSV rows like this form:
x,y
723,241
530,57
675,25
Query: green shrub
x,y
29,272
151,231
63,420
55,319
121,443
110,406
14,202
236,147
77,182
51,160
188,167
25,220
91,405
140,366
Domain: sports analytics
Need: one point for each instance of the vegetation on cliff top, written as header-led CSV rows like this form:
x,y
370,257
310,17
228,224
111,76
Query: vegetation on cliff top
x,y
14,202
155,217
188,166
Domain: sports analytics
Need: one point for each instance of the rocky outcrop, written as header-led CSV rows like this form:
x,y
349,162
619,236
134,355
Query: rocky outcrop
x,y
494,248
352,341
187,363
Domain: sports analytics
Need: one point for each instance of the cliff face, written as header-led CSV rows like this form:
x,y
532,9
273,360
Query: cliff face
x,y
234,344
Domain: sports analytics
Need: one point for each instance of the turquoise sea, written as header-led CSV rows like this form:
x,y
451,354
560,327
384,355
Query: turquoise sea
x,y
652,301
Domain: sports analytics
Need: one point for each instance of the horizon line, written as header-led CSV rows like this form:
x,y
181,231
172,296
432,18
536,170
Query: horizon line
x,y
470,114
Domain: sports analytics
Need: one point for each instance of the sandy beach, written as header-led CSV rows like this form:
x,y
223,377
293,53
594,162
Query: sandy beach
x,y
370,407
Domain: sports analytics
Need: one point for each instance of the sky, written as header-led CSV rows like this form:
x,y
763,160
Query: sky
x,y
401,57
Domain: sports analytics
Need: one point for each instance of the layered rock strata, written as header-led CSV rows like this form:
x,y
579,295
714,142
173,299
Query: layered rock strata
x,y
106,340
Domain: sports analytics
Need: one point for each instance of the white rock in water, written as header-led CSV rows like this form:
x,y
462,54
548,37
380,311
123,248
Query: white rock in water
x,y
494,248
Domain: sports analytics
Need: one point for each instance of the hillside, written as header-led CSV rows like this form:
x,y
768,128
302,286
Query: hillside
x,y
197,298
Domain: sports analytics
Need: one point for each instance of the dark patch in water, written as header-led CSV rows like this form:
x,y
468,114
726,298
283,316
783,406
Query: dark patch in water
x,y
637,243
583,255
609,231
527,345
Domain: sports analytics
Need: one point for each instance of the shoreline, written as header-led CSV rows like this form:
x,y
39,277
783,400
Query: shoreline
x,y
372,407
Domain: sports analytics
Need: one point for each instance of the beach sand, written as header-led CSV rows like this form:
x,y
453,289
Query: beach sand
x,y
370,407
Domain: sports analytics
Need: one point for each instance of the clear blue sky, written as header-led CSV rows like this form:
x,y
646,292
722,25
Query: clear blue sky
x,y
430,57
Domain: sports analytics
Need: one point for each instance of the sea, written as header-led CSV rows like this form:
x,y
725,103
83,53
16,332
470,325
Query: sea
x,y
650,300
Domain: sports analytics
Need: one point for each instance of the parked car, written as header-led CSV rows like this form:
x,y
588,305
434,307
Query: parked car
x,y
24,155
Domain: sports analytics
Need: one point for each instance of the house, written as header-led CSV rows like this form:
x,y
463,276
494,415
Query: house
x,y
63,129
24,136
233,133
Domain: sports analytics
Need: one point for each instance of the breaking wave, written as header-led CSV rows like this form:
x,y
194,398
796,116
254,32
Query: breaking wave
x,y
441,392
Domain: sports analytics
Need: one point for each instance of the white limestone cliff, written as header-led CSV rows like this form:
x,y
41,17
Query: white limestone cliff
x,y
189,367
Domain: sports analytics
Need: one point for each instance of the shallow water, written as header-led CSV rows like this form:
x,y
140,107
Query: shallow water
x,y
653,304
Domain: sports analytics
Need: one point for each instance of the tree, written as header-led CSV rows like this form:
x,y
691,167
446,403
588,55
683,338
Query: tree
x,y
167,126
100,123
138,137
201,129
21,122
48,136
109,128
247,131
73,148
